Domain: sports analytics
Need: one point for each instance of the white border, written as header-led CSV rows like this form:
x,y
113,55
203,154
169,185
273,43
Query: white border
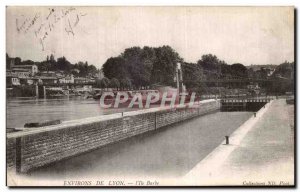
x,y
4,3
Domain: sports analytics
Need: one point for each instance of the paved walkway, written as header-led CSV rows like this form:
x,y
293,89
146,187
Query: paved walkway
x,y
261,152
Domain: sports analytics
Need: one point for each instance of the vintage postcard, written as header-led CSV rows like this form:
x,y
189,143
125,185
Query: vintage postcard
x,y
150,96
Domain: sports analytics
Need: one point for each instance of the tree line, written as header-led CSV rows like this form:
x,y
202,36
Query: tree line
x,y
139,67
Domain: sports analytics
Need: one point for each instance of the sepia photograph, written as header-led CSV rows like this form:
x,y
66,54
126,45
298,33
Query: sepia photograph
x,y
150,96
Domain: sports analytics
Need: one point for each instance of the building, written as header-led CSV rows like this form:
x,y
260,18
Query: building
x,y
80,80
67,79
12,79
75,71
46,80
270,72
83,80
19,77
21,72
27,80
32,69
47,73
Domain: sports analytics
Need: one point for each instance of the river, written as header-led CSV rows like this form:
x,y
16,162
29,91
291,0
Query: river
x,y
26,110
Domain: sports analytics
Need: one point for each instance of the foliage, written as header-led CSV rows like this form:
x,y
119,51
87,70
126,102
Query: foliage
x,y
114,83
192,74
238,70
125,83
143,66
114,68
192,77
138,62
63,64
284,70
103,83
85,69
210,62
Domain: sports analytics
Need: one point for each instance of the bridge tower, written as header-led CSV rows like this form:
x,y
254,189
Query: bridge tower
x,y
179,79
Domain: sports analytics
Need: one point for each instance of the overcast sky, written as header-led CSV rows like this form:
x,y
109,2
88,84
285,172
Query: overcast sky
x,y
245,35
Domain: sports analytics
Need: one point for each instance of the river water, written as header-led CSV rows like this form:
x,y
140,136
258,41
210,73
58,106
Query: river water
x,y
26,110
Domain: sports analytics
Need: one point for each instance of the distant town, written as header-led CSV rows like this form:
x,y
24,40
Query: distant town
x,y
24,74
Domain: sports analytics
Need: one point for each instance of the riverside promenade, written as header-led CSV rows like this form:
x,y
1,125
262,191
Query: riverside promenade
x,y
261,152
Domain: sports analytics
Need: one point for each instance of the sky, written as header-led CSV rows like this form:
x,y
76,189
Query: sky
x,y
247,35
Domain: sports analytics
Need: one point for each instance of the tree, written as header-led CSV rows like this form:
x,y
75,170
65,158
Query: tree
x,y
139,63
115,67
239,70
28,62
45,66
92,70
210,62
52,59
63,64
143,66
192,74
125,83
114,83
192,77
261,74
84,69
284,70
103,83
225,70
251,73
164,65
18,61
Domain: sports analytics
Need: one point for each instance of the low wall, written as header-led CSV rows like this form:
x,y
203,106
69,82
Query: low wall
x,y
36,147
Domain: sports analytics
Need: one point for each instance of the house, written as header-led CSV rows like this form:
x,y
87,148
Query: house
x,y
12,79
46,80
80,80
27,80
91,80
48,73
21,72
67,79
76,71
18,77
32,69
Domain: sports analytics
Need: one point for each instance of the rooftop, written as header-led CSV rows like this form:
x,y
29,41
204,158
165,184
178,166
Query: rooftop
x,y
20,69
22,66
